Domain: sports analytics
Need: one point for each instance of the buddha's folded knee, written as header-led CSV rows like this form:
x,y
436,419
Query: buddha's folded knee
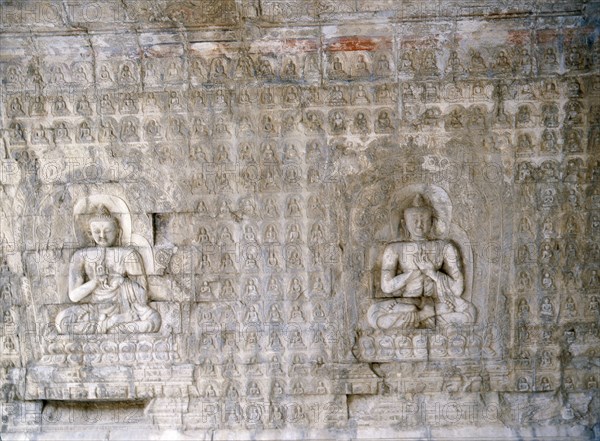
x,y
392,314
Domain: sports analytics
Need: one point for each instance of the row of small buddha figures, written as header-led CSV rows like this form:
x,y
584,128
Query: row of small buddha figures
x,y
530,90
547,310
110,351
560,227
159,71
269,178
363,94
294,364
252,290
551,251
338,65
543,383
253,314
573,170
268,206
255,261
294,238
421,346
261,415
556,197
197,100
570,279
132,129
275,341
581,333
338,121
227,235
256,389
525,116
551,280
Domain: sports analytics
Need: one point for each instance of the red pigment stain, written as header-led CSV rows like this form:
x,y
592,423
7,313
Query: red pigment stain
x,y
517,37
577,34
358,44
546,36
304,45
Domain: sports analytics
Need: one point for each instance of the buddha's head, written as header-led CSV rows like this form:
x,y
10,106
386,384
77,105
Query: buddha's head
x,y
104,227
418,218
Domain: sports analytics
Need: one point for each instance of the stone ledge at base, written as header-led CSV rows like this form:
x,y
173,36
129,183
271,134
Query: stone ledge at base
x,y
107,383
139,426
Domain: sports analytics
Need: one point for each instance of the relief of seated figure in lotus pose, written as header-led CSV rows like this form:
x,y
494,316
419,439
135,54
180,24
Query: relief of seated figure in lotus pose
x,y
109,284
424,276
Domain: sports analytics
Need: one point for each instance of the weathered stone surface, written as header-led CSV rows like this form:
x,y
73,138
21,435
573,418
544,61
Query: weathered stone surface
x,y
316,219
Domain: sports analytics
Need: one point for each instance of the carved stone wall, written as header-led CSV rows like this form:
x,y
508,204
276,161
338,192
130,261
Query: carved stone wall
x,y
206,221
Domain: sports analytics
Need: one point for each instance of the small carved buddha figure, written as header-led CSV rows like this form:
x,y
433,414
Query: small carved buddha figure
x,y
105,74
227,290
210,392
252,315
594,280
274,314
318,288
522,385
545,384
546,308
293,233
270,234
523,309
321,389
126,74
8,318
360,122
273,287
318,312
85,134
569,385
424,277
289,69
571,309
109,283
294,258
295,288
251,290
277,389
338,67
205,289
296,314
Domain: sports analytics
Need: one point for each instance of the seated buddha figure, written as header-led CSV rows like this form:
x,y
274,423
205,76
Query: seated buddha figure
x,y
108,283
424,278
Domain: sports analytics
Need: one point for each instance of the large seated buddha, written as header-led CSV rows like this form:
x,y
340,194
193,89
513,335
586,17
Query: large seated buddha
x,y
423,277
108,283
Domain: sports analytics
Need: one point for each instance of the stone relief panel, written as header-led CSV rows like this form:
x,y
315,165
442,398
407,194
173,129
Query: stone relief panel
x,y
308,219
425,281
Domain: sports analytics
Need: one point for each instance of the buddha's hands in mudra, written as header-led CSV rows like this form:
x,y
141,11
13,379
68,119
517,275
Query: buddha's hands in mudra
x,y
425,266
103,281
116,281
